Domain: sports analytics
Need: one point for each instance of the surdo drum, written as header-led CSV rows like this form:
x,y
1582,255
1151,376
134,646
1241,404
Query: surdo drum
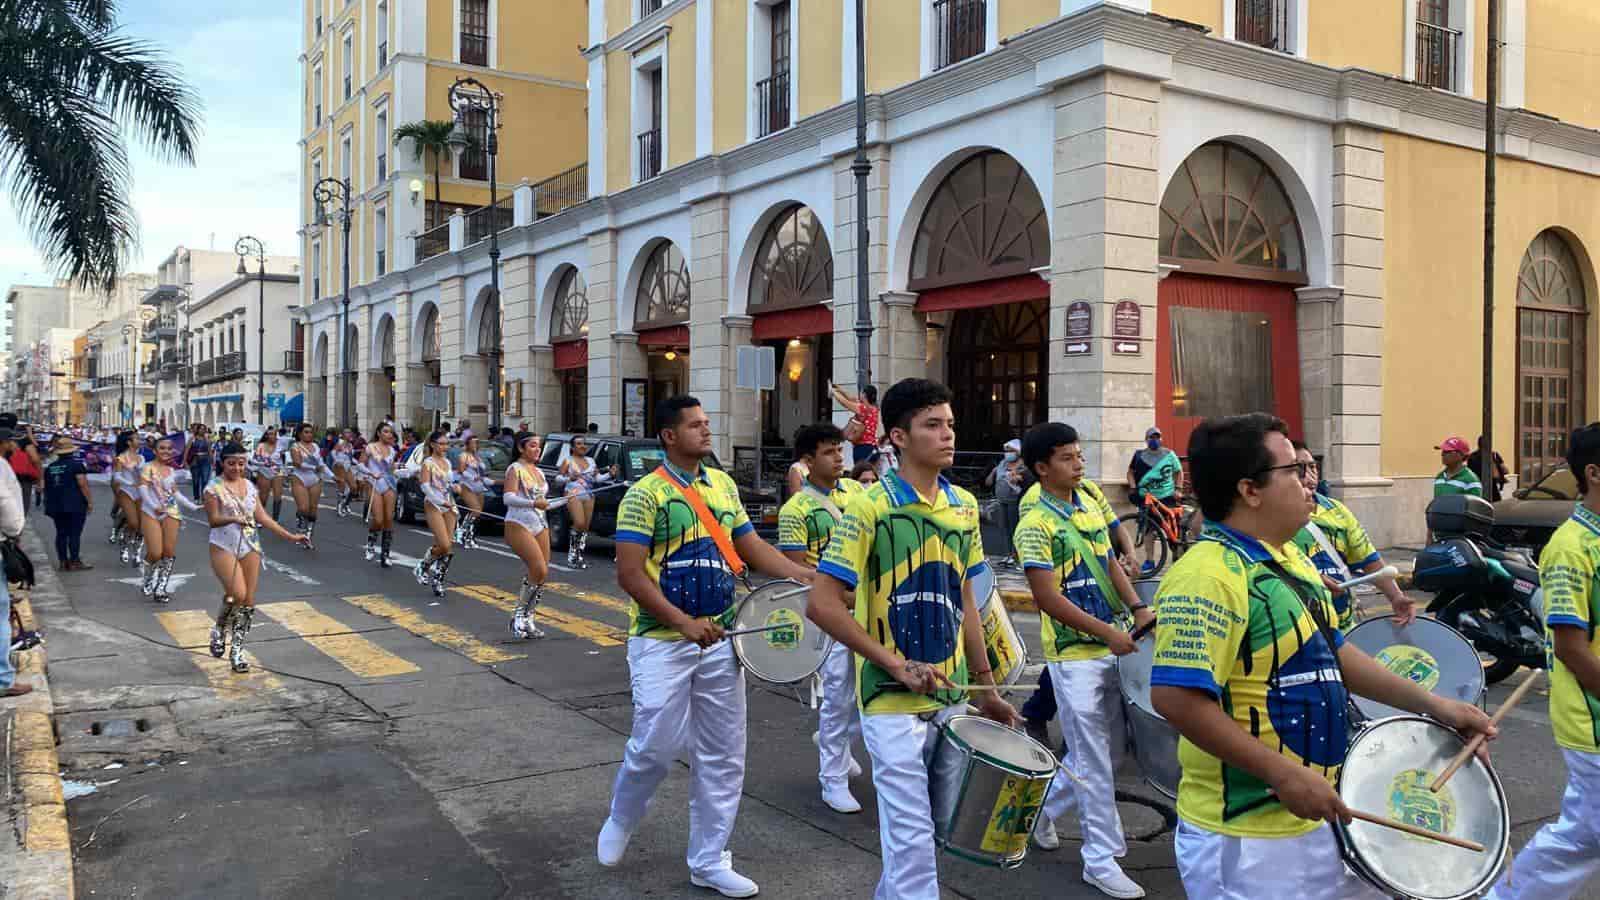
x,y
1154,741
1428,652
1008,656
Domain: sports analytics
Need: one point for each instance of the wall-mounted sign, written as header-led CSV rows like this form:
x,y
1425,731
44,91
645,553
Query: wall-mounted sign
x,y
1126,348
1080,325
1125,320
1079,348
633,399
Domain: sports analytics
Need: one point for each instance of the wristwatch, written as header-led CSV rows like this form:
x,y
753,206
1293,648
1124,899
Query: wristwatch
x,y
1138,606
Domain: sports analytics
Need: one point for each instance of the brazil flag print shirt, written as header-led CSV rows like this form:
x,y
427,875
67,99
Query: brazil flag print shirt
x,y
1231,627
1569,572
681,557
1348,539
1042,544
907,559
805,524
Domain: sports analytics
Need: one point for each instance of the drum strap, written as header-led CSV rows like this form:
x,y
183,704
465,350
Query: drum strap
x,y
1327,547
708,522
823,500
1108,589
1313,605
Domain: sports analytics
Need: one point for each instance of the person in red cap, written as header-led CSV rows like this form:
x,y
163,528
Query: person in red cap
x,y
1455,478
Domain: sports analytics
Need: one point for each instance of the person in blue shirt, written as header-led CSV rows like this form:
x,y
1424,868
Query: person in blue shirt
x,y
67,501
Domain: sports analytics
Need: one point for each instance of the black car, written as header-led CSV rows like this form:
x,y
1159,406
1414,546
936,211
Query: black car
x,y
495,458
1535,512
628,459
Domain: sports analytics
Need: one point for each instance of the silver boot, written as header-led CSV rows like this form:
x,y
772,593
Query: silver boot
x,y
522,621
163,575
583,547
311,528
383,556
471,542
241,628
148,571
439,568
219,638
372,546
138,550
423,570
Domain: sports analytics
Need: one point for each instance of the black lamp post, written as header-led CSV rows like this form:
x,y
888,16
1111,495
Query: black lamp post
x,y
326,192
862,167
471,95
123,408
245,246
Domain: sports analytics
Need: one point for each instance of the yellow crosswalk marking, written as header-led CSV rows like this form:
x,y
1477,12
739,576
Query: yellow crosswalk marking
x,y
191,629
361,656
567,590
597,633
443,635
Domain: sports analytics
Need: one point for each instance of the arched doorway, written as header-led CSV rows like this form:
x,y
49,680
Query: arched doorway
x,y
791,284
661,319
428,353
979,242
569,336
493,360
1227,224
1552,313
381,398
317,396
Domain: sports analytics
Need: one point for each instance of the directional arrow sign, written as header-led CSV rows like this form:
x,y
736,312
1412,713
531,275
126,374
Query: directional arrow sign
x,y
1127,347
1078,348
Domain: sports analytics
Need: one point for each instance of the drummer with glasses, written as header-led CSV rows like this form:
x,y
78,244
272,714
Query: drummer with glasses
x,y
1252,671
688,689
805,523
908,549
1064,544
1565,854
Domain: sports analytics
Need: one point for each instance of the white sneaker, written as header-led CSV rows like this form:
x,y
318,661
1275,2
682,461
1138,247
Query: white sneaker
x,y
855,767
725,880
1114,883
839,799
1045,837
612,844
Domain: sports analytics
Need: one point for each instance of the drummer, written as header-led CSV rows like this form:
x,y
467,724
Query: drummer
x,y
1252,673
908,549
1341,533
688,690
1566,853
804,524
1064,544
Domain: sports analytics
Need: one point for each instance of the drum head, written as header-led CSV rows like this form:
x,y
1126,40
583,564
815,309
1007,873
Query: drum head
x,y
1007,748
1390,765
1428,652
984,587
784,655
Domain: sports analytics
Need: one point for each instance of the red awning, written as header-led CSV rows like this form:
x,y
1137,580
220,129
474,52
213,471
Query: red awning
x,y
671,336
572,355
792,323
1016,289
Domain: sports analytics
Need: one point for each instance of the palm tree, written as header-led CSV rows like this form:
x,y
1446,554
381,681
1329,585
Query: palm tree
x,y
431,137
70,85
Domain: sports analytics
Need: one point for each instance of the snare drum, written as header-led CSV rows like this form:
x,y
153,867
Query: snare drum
x,y
1154,740
1428,652
986,786
786,655
1008,656
1390,764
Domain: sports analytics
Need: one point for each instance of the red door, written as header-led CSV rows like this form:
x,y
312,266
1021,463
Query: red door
x,y
1224,346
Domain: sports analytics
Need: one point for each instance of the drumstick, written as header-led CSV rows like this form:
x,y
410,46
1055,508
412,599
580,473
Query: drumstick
x,y
1385,572
760,629
1478,739
1417,830
995,687
1141,631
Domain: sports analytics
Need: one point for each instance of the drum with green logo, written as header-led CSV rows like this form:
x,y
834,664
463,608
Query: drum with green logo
x,y
1428,652
986,786
782,646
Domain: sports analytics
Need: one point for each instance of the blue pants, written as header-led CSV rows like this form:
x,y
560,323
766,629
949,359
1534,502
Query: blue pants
x,y
8,675
69,529
1041,707
199,477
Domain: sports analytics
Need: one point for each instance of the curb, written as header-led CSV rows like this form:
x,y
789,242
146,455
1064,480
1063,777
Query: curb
x,y
1019,601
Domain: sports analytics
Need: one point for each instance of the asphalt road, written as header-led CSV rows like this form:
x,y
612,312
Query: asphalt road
x,y
392,744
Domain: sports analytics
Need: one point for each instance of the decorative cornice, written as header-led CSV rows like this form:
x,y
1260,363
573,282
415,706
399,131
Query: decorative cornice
x,y
1329,293
634,36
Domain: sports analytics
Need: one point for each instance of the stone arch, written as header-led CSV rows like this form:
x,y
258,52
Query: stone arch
x,y
627,302
567,299
813,275
663,284
381,353
426,337
485,303
1225,212
319,357
739,293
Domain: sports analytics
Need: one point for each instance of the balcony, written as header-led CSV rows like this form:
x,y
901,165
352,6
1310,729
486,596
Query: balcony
x,y
105,382
231,364
1436,56
294,360
960,30
383,54
646,7
169,361
559,192
186,375
1264,23
649,154
163,326
161,294
433,242
772,104
484,219
474,49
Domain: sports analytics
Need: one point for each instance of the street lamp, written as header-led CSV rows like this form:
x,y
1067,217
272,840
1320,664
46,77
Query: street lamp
x,y
862,167
244,247
471,95
123,408
329,191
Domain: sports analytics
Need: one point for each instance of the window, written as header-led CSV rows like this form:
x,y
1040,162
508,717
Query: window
x,y
383,146
475,32
1552,314
1225,213
772,92
959,30
349,58
650,139
316,98
1264,23
646,7
569,315
474,163
383,34
316,28
794,265
316,270
344,161
1437,46
380,238
663,297
984,221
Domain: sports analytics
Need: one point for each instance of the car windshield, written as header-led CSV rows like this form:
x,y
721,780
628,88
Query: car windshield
x,y
493,456
642,460
1559,484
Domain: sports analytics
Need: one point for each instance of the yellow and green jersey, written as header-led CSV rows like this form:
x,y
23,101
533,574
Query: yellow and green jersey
x,y
1463,482
1569,573
907,558
1231,627
804,523
1030,499
681,556
1042,543
1348,539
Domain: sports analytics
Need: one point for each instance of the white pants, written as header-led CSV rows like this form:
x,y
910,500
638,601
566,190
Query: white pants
x,y
1218,867
1089,711
1566,853
839,721
686,701
901,746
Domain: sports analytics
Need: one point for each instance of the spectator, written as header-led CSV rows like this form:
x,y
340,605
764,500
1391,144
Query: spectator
x,y
1455,477
862,429
1154,472
465,431
507,439
28,466
11,521
197,459
1009,480
865,473
67,502
1501,474
593,428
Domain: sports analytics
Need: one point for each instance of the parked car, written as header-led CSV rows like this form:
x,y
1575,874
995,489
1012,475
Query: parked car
x,y
496,459
1534,513
629,459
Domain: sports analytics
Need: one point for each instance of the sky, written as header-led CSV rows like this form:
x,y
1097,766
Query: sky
x,y
241,60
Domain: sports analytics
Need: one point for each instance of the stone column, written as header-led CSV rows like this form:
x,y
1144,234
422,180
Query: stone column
x,y
452,339
743,419
712,346
516,335
843,239
900,341
335,377
367,408
1104,236
608,357
407,379
541,395
626,359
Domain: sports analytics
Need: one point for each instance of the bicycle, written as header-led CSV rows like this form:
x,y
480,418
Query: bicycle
x,y
1168,526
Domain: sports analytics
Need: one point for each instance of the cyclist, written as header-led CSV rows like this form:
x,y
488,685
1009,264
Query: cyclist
x,y
1154,472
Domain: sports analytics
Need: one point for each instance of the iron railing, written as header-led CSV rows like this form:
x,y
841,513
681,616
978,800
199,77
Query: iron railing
x,y
383,54
486,218
772,104
294,360
646,7
205,371
960,30
164,323
1264,23
1436,56
649,154
433,242
474,49
559,192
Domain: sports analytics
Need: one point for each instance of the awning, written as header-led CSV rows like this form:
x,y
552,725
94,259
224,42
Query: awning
x,y
1016,289
671,336
572,355
790,323
220,398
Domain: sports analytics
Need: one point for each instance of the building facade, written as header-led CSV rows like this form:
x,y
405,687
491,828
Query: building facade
x,y
232,379
1110,215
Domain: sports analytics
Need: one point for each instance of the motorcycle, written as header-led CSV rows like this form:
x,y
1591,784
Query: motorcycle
x,y
1488,592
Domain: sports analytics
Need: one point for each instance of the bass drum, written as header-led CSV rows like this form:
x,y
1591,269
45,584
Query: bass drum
x,y
1008,656
1428,652
1154,740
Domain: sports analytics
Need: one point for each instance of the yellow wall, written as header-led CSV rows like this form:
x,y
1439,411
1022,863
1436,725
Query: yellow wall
x,y
1562,66
680,90
730,103
1018,16
619,130
1366,34
441,29
894,30
1200,12
821,44
619,15
1434,289
533,39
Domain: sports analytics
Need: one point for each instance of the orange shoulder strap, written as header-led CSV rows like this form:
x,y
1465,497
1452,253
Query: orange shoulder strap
x,y
708,522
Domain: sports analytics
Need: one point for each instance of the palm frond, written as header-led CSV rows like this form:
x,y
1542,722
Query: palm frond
x,y
427,136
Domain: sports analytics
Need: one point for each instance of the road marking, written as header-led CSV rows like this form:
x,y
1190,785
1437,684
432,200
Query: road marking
x,y
443,635
191,629
174,583
288,572
459,548
606,600
597,633
361,656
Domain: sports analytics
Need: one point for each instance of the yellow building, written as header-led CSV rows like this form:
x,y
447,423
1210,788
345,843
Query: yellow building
x,y
1115,215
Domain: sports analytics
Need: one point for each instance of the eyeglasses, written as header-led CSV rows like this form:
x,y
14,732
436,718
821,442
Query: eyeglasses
x,y
1301,469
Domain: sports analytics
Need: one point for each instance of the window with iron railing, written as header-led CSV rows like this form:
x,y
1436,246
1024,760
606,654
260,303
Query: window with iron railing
x,y
646,7
1436,56
1264,23
960,30
475,32
649,154
294,361
475,162
498,217
772,104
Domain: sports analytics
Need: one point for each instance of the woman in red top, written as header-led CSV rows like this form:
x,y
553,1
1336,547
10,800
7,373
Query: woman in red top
x,y
864,408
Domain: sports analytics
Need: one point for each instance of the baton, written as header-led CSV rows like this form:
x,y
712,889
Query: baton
x,y
1385,572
